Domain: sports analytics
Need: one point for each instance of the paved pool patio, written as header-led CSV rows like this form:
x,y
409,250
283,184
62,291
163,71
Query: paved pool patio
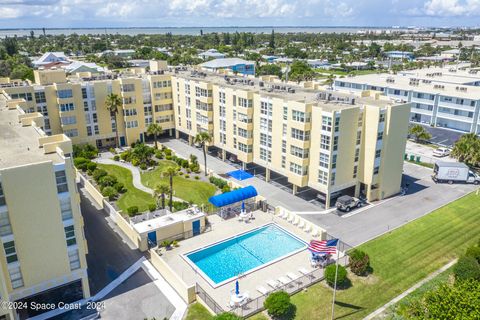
x,y
222,229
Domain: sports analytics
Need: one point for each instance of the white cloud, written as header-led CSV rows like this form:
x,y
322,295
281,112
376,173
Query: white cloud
x,y
448,8
9,13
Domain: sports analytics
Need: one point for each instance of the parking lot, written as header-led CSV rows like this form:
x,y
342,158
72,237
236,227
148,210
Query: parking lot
x,y
363,224
426,152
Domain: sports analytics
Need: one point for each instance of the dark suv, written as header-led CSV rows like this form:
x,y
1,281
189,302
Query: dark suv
x,y
347,203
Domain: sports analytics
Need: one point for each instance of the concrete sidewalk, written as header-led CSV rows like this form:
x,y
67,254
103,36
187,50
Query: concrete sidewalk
x,y
274,195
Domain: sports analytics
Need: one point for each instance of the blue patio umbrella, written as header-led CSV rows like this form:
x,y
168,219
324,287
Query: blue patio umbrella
x,y
243,205
237,288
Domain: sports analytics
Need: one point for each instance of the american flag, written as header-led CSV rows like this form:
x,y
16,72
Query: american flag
x,y
324,246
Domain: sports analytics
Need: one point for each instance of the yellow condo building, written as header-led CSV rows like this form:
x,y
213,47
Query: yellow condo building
x,y
42,259
329,142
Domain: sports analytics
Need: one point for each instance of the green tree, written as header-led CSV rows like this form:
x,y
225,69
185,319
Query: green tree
x,y
419,133
113,102
155,129
359,262
203,138
467,268
330,80
271,43
171,172
300,71
467,149
330,275
142,153
278,305
226,316
269,69
160,192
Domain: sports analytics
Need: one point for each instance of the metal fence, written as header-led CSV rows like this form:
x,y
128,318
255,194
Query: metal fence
x,y
256,305
202,294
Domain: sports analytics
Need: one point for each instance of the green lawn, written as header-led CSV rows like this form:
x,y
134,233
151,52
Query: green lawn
x,y
189,189
197,311
133,196
399,259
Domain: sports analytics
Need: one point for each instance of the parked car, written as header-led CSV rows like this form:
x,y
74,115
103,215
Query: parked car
x,y
347,203
451,172
441,152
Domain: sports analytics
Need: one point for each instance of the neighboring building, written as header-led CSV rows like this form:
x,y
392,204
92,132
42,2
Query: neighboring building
x,y
211,54
235,65
358,146
269,59
41,227
318,64
123,53
165,51
49,57
452,53
399,55
79,66
441,97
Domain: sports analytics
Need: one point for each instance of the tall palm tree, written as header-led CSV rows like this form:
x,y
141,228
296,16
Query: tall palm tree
x,y
330,80
171,172
155,129
160,192
467,149
203,138
113,102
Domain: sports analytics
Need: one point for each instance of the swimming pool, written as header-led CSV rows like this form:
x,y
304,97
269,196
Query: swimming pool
x,y
244,253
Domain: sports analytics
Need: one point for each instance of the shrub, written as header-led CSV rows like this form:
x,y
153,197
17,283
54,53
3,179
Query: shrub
x,y
467,268
175,158
107,181
109,192
226,316
167,152
159,154
184,163
187,176
125,155
152,207
278,304
197,177
180,205
132,210
120,187
112,150
87,151
81,163
116,157
330,275
226,189
359,262
135,162
166,243
180,173
474,252
143,166
91,166
168,157
98,174
175,243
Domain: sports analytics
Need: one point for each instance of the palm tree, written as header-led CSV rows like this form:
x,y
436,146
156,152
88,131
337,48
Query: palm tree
x,y
467,149
330,80
155,129
419,132
203,138
142,153
160,192
113,102
171,172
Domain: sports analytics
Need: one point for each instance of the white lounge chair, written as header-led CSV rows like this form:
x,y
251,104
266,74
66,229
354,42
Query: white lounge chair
x,y
284,280
293,276
263,290
296,221
291,218
303,271
286,215
315,233
272,283
301,224
308,228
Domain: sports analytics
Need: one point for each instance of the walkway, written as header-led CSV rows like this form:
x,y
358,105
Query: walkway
x,y
275,196
382,309
136,174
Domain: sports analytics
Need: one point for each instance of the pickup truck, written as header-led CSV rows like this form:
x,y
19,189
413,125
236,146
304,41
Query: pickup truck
x,y
347,203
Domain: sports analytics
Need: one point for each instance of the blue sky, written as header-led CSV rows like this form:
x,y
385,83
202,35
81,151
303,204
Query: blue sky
x,y
178,13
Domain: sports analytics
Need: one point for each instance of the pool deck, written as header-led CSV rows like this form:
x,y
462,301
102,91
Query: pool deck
x,y
222,229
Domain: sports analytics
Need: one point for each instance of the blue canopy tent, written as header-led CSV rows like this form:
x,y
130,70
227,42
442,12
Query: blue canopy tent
x,y
234,196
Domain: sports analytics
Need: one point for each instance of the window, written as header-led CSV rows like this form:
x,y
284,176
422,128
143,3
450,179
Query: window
x,y
266,108
326,123
284,146
27,96
244,118
323,177
378,153
300,116
335,143
221,97
64,94
97,131
324,142
129,100
61,178
265,124
131,124
332,178
15,277
74,259
66,209
40,97
5,227
265,140
89,131
2,196
284,160
246,103
284,130
70,235
84,93
382,117
10,251
359,137
334,161
380,136
300,135
298,152
130,112
357,154
375,170
162,84
129,87
360,120
285,113
355,171
199,92
244,148
298,169
337,124
68,120
265,155
67,107
324,160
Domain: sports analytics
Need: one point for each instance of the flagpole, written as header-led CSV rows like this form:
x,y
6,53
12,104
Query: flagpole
x,y
335,284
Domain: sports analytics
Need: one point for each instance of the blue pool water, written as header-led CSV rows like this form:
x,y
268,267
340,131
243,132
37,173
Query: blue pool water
x,y
245,252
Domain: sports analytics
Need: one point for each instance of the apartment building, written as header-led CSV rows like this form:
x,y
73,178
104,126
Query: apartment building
x,y
41,228
441,97
333,143
75,106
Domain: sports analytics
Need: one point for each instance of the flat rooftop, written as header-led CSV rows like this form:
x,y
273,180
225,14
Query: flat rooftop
x,y
18,144
161,220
